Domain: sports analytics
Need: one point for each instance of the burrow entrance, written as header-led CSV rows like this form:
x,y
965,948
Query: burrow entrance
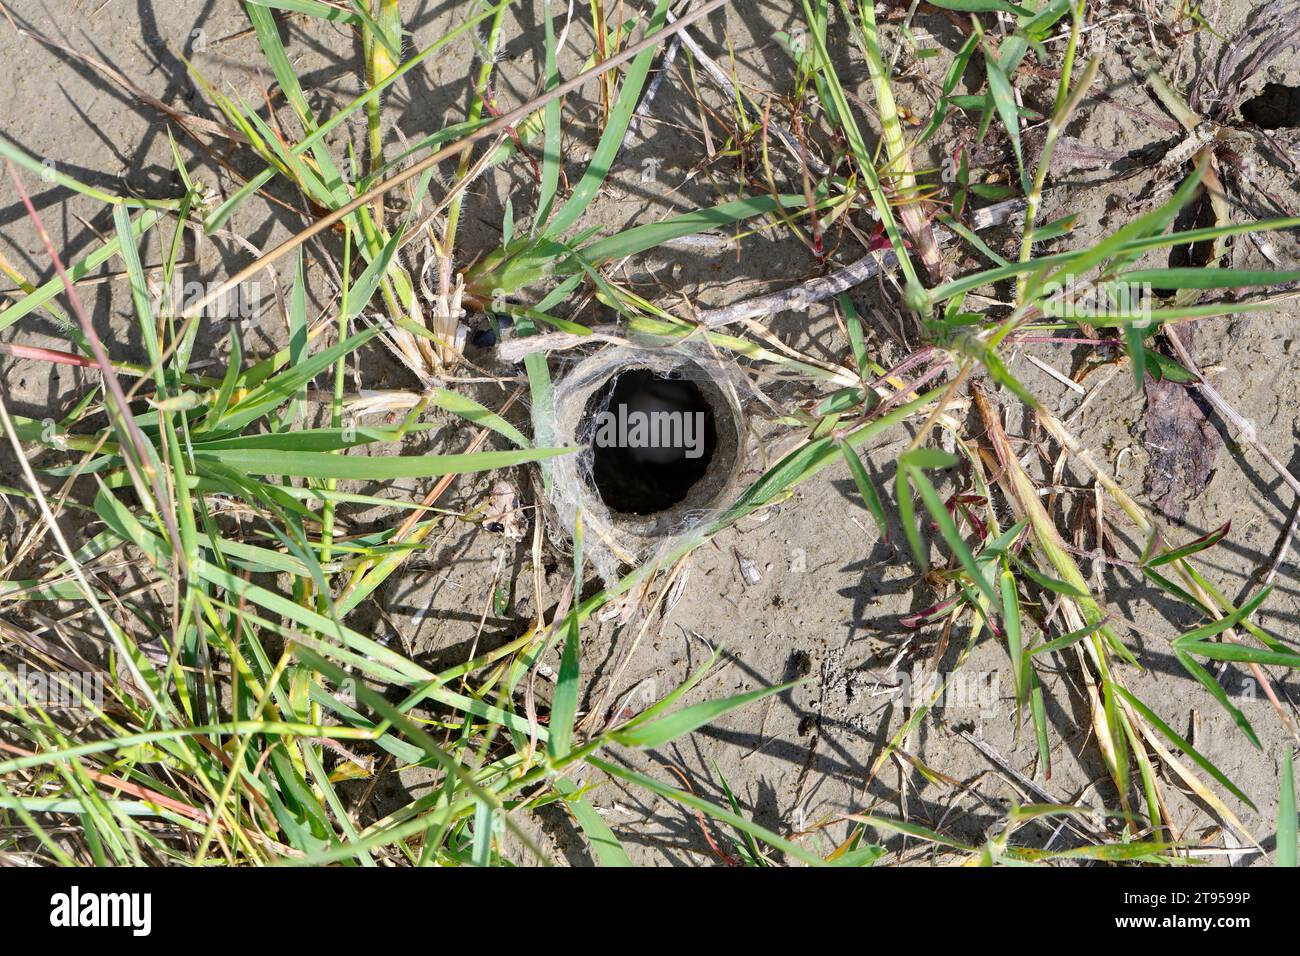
x,y
653,437
1278,107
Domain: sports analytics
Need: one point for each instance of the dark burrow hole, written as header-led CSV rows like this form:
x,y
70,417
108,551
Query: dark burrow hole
x,y
1198,214
631,475
1278,107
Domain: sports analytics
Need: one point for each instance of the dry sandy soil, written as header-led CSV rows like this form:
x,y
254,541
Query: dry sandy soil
x,y
832,595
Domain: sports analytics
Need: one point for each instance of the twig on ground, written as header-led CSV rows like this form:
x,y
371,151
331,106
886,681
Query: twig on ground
x,y
796,298
816,290
1283,544
643,109
1027,784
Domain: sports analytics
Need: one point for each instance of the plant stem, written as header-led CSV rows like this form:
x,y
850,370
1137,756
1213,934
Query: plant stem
x,y
1066,103
475,114
336,413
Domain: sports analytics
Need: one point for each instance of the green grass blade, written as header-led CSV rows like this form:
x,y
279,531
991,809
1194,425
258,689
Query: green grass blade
x,y
609,851
1200,760
656,733
308,464
1286,815
611,140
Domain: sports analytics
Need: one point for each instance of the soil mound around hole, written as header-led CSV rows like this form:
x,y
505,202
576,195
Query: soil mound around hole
x,y
662,438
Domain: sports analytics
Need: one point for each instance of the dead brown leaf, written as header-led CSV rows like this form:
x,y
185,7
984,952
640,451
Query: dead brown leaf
x,y
1183,446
